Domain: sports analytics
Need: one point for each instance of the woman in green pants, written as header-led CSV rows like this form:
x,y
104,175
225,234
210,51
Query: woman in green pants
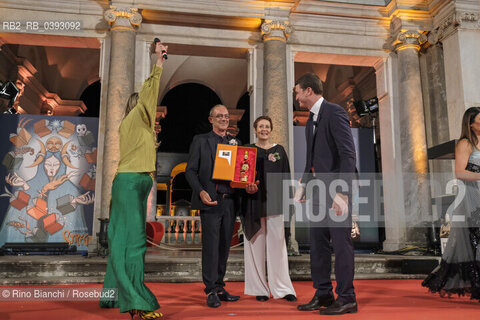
x,y
130,189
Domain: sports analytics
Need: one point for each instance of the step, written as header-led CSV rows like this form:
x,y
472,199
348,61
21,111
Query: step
x,y
178,267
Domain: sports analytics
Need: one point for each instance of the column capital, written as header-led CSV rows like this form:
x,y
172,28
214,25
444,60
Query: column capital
x,y
408,39
454,20
121,18
276,30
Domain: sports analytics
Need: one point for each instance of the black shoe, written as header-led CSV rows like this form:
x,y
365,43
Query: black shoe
x,y
290,298
316,303
225,296
213,301
340,308
262,298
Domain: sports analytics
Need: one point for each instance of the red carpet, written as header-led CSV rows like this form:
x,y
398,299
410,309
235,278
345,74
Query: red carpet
x,y
377,299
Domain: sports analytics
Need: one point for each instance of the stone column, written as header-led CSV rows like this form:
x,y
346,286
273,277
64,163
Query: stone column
x,y
123,24
275,93
255,84
414,189
389,124
275,99
458,29
103,72
436,115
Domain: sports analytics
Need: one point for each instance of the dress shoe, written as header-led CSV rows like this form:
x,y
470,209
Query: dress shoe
x,y
290,298
316,303
262,298
340,308
225,296
213,301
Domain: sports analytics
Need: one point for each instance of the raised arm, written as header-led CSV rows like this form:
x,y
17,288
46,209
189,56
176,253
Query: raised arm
x,y
148,95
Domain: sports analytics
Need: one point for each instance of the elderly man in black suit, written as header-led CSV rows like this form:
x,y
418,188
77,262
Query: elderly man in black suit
x,y
216,201
330,156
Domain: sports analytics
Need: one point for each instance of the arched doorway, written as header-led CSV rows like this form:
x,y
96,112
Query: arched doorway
x,y
188,106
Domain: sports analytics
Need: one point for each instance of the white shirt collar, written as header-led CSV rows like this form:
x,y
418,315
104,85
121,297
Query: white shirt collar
x,y
316,106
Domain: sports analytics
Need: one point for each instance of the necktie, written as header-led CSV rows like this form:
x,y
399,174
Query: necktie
x,y
314,123
310,118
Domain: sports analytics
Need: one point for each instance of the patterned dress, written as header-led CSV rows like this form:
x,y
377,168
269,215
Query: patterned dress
x,y
459,269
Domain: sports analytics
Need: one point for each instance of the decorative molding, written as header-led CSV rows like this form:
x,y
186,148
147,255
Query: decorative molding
x,y
469,16
408,39
123,18
52,7
34,98
276,30
233,8
197,20
38,100
454,21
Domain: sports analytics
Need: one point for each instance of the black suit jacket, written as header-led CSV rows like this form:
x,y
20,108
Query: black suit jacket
x,y
200,168
330,148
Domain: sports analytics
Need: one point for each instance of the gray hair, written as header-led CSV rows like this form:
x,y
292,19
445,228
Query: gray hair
x,y
210,114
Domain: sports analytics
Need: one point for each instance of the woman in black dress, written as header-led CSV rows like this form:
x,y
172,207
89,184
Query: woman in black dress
x,y
459,269
264,225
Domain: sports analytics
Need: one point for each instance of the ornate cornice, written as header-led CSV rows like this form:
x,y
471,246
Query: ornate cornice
x,y
454,21
276,30
123,18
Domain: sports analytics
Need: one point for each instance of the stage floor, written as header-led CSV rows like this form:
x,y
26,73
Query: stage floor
x,y
377,300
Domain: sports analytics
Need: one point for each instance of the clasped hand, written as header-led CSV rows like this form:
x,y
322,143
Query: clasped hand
x,y
252,188
206,199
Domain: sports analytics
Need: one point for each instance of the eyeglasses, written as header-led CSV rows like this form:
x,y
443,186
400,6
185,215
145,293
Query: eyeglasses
x,y
220,116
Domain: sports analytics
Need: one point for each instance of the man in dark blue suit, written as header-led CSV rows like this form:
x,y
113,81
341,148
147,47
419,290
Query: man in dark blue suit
x,y
215,200
330,157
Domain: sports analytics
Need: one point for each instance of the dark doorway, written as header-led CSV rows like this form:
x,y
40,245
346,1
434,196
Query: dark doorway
x,y
91,98
188,106
180,188
244,124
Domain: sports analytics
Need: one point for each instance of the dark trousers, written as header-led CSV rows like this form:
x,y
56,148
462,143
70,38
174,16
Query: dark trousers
x,y
217,229
321,260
